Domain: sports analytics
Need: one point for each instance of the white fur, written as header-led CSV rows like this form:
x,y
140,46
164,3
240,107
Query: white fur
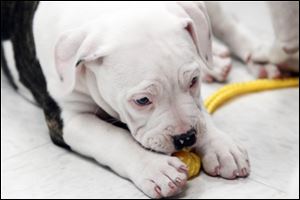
x,y
149,51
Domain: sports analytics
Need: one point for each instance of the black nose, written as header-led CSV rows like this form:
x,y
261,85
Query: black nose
x,y
185,140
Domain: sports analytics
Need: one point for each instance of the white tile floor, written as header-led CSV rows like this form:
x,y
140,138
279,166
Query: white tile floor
x,y
266,123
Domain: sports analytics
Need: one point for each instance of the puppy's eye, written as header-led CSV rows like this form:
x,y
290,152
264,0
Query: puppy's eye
x,y
194,82
143,101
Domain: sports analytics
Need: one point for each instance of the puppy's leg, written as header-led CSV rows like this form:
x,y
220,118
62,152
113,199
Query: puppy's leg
x,y
222,64
284,51
227,29
241,41
155,174
221,156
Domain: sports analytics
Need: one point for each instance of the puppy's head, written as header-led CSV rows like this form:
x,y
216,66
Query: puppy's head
x,y
147,69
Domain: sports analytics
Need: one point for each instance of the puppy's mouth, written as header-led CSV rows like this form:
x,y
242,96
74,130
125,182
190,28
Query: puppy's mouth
x,y
169,149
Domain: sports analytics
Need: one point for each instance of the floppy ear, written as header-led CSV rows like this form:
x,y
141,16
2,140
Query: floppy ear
x,y
198,26
72,48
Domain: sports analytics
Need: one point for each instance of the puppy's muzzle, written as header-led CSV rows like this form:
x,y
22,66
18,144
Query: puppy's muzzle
x,y
185,140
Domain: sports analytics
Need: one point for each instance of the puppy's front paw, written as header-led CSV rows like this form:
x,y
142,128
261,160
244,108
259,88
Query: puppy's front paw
x,y
161,176
223,157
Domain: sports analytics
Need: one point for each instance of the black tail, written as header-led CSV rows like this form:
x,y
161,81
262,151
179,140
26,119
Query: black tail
x,y
16,25
7,20
11,13
7,30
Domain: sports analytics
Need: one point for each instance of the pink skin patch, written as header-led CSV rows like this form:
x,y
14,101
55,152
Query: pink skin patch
x,y
226,70
158,191
262,73
183,169
290,50
172,185
208,79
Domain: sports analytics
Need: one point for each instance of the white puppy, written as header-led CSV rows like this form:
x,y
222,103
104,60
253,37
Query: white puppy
x,y
139,64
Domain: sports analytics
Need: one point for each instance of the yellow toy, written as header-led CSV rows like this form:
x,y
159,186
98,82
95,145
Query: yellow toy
x,y
191,160
222,95
236,89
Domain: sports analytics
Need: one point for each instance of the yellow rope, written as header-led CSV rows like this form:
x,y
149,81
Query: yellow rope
x,y
233,90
